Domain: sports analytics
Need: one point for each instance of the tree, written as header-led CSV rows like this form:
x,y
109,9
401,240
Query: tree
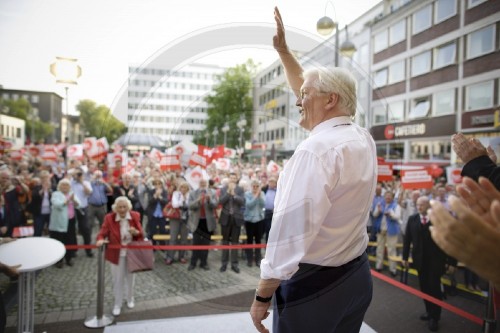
x,y
22,109
98,121
231,99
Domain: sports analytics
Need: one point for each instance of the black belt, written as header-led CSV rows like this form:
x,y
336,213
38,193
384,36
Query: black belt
x,y
303,267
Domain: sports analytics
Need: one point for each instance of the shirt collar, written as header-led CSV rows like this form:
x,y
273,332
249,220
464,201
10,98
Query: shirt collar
x,y
335,121
127,217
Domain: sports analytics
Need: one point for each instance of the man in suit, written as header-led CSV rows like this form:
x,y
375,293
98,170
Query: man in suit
x,y
232,199
201,221
428,259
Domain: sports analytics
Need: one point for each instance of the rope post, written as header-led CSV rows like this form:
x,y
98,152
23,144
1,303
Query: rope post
x,y
100,319
489,321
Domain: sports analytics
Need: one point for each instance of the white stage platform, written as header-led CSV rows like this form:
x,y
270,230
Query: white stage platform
x,y
225,323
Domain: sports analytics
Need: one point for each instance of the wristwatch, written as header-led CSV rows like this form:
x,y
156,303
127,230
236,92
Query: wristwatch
x,y
262,299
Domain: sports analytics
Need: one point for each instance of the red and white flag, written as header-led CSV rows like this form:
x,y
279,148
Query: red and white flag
x,y
223,164
170,163
155,155
454,175
197,159
273,167
229,153
75,151
416,179
16,155
194,175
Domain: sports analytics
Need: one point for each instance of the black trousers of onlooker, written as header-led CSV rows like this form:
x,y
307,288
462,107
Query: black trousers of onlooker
x,y
201,236
254,235
230,235
67,238
430,283
84,227
156,225
268,218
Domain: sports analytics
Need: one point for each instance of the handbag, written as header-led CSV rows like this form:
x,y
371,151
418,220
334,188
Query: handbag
x,y
140,260
171,213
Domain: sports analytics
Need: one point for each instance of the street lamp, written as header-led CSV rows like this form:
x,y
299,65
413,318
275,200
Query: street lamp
x,y
206,138
215,133
225,129
33,117
66,71
325,27
241,125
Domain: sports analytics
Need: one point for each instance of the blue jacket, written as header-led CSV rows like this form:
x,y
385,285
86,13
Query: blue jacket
x,y
393,225
254,207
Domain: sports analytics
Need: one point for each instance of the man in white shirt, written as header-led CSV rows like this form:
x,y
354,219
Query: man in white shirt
x,y
315,265
82,190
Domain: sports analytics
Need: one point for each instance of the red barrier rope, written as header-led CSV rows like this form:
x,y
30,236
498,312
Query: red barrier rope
x,y
376,274
422,295
172,247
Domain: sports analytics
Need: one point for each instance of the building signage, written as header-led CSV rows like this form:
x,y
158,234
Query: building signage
x,y
421,128
482,120
391,131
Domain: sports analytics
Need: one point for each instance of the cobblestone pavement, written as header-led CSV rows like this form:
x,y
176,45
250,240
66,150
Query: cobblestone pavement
x,y
70,293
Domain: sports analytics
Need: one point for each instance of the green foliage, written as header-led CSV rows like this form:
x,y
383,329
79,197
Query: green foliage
x,y
231,99
22,109
98,121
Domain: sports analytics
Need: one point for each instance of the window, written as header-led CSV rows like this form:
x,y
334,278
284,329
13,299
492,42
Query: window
x,y
421,109
379,115
445,55
481,42
443,103
396,112
422,19
396,150
380,41
397,32
474,3
18,133
397,72
445,9
479,96
380,78
421,64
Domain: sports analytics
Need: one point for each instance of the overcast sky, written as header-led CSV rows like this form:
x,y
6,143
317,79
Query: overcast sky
x,y
106,36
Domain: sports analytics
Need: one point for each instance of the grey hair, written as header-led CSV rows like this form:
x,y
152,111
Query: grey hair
x,y
63,181
339,81
124,199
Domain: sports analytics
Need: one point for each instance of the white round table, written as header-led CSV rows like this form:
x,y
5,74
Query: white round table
x,y
32,253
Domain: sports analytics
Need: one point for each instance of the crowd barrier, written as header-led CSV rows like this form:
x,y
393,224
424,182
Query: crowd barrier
x,y
488,322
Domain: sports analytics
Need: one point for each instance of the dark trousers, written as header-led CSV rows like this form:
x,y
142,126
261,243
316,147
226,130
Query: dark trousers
x,y
41,221
67,238
324,299
230,235
430,283
201,236
84,226
156,225
3,314
268,218
254,235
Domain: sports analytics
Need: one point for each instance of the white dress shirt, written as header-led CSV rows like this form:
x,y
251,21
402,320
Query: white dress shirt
x,y
324,195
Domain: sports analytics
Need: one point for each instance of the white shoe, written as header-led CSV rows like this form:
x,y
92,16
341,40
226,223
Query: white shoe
x,y
131,304
116,310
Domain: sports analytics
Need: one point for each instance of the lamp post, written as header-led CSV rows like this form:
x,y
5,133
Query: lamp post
x,y
241,125
66,71
32,118
225,129
215,133
206,138
325,27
